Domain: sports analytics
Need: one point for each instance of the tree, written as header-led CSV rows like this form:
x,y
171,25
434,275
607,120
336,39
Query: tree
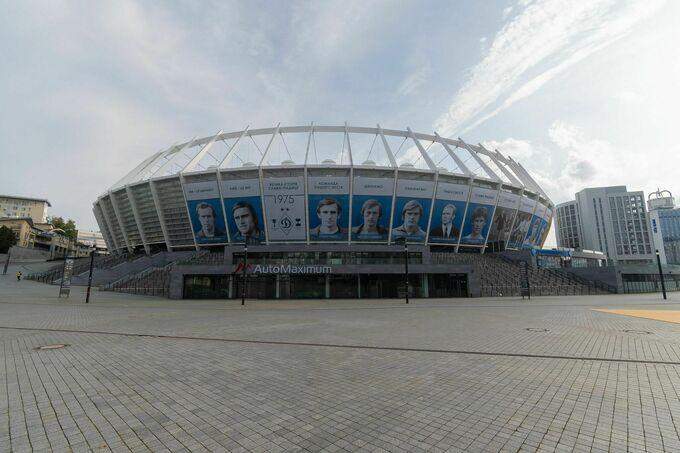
x,y
67,226
7,239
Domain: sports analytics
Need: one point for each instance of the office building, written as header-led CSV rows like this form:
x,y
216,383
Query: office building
x,y
609,219
19,207
93,239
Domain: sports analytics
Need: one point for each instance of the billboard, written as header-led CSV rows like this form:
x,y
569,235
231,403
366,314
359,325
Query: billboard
x,y
205,212
535,227
412,210
448,212
243,208
522,222
478,216
284,206
506,209
328,208
371,208
547,218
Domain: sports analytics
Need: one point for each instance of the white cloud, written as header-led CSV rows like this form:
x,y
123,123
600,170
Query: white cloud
x,y
547,37
414,81
520,150
578,161
329,32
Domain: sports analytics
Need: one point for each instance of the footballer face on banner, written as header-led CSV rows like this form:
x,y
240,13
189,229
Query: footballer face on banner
x,y
448,212
371,208
412,210
243,206
205,212
328,210
501,227
522,222
478,217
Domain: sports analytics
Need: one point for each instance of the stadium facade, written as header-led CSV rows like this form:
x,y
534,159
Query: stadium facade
x,y
334,198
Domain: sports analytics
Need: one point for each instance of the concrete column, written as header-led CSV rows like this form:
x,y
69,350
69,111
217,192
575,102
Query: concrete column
x,y
138,220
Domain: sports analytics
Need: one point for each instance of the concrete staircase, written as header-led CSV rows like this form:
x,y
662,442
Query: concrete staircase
x,y
141,263
500,276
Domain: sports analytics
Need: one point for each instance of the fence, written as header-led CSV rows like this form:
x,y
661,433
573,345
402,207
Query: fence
x,y
540,290
151,282
650,287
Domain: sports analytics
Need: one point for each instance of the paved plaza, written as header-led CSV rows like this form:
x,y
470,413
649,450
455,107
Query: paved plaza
x,y
149,374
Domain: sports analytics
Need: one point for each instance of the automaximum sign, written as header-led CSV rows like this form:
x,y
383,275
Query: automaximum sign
x,y
284,269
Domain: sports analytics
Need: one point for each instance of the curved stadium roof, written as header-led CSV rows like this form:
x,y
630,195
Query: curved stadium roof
x,y
341,146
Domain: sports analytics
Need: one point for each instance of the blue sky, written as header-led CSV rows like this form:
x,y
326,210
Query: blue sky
x,y
583,93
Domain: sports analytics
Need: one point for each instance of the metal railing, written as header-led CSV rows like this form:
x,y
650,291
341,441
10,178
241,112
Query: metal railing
x,y
650,287
154,281
80,265
539,290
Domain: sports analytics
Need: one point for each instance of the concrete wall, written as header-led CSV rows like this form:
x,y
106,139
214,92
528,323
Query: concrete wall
x,y
26,254
605,274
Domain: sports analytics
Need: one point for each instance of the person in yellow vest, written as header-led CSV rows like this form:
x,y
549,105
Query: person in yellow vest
x,y
19,276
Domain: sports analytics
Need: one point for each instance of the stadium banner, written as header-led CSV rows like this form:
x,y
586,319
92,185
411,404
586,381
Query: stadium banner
x,y
448,212
243,206
205,212
412,210
371,208
536,227
522,222
478,216
547,219
501,227
328,208
284,206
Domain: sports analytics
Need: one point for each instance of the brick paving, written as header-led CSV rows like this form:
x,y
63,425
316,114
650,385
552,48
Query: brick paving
x,y
593,381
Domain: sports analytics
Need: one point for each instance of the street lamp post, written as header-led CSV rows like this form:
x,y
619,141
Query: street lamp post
x,y
406,279
245,266
89,278
663,284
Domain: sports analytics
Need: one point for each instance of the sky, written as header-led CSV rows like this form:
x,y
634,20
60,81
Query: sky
x,y
582,93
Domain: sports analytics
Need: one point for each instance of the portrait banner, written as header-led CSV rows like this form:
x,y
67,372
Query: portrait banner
x,y
371,208
478,216
547,219
501,227
284,204
328,208
205,212
535,227
412,210
522,222
448,211
243,207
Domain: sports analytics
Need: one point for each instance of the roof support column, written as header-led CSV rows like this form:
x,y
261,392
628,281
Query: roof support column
x,y
116,210
135,213
161,217
459,162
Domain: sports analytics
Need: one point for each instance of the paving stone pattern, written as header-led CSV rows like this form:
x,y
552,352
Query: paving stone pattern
x,y
594,388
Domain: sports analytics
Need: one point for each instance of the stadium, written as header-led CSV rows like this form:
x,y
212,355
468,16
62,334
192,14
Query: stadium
x,y
324,212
